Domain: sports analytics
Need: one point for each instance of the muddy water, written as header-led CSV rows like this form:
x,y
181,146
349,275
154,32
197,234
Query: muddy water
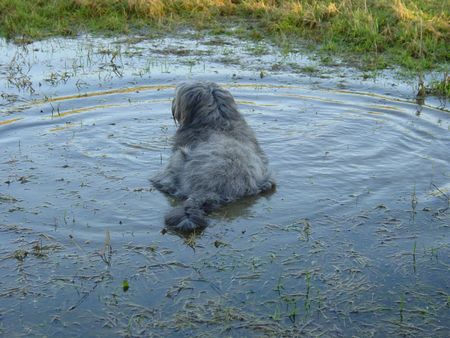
x,y
355,241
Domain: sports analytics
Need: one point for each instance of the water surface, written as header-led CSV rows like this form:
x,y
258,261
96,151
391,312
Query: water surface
x,y
354,242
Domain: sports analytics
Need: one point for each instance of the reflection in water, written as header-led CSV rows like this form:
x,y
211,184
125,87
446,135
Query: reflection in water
x,y
335,244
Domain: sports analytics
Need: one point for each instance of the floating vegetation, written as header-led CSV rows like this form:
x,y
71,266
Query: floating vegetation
x,y
106,253
125,285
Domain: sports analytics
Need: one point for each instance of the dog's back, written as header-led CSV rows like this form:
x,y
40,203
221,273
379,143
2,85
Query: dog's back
x,y
225,168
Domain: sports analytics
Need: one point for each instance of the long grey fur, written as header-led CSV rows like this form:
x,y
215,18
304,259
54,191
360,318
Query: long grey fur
x,y
216,158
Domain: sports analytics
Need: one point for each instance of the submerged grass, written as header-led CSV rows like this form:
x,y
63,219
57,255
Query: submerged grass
x,y
410,33
440,87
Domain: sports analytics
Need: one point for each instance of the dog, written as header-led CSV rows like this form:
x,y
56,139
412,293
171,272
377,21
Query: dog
x,y
216,158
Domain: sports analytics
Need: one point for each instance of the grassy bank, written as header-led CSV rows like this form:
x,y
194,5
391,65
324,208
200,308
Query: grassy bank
x,y
411,33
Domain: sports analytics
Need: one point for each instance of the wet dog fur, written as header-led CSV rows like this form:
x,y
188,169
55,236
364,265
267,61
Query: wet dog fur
x,y
216,158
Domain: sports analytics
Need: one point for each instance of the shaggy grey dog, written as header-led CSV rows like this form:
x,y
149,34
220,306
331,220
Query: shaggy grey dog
x,y
216,158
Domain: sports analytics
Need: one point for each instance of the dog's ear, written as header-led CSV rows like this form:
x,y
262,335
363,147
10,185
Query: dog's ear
x,y
190,102
193,99
226,105
174,108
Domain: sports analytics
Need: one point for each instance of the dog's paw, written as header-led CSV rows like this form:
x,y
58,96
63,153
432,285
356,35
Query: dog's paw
x,y
268,186
164,185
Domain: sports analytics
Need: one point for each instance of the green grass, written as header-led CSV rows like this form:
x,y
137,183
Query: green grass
x,y
376,33
440,88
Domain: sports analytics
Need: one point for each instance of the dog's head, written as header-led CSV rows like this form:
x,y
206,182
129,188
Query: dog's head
x,y
203,103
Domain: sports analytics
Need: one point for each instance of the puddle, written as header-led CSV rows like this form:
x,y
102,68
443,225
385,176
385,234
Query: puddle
x,y
354,242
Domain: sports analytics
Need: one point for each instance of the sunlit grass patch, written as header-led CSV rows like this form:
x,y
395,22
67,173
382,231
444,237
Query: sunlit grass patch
x,y
412,33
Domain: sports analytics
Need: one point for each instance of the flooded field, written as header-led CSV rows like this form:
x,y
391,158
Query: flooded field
x,y
354,242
